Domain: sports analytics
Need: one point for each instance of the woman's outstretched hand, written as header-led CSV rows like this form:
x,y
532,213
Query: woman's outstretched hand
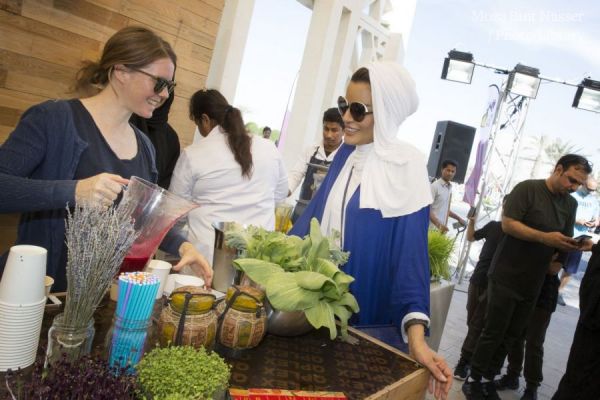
x,y
441,377
192,257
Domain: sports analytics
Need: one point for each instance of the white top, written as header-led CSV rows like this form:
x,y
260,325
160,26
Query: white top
x,y
207,173
298,172
334,209
441,192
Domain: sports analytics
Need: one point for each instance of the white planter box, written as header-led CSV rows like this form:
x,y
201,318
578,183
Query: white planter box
x,y
439,304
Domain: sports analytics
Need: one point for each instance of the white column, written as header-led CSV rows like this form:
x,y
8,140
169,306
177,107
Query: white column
x,y
229,48
305,120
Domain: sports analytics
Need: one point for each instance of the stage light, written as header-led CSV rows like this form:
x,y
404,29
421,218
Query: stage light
x,y
587,96
458,67
524,81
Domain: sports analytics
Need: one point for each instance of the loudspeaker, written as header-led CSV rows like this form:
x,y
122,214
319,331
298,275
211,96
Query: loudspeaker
x,y
451,141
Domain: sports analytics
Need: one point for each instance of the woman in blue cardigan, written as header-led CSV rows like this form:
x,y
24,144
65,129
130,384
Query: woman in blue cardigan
x,y
376,199
84,149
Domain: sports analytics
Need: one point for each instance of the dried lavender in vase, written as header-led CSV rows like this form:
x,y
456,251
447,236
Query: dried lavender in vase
x,y
97,241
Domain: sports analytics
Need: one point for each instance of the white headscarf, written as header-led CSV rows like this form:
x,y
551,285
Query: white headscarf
x,y
394,179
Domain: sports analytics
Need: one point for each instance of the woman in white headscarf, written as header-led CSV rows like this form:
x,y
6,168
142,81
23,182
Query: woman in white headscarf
x,y
376,194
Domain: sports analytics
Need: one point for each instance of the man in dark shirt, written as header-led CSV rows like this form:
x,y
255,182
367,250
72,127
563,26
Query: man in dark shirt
x,y
476,297
531,346
538,218
581,380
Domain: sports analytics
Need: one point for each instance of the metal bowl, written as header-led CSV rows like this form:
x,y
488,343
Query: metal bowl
x,y
287,323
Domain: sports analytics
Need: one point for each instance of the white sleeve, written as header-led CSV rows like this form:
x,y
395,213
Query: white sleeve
x,y
408,317
281,191
434,190
182,181
298,172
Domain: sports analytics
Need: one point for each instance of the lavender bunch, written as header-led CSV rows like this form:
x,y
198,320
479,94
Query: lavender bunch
x,y
97,241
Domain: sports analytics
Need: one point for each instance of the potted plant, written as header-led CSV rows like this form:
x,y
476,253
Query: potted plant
x,y
440,248
182,373
298,274
86,378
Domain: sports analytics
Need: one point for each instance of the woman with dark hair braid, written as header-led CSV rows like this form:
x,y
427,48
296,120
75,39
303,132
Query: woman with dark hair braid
x,y
232,175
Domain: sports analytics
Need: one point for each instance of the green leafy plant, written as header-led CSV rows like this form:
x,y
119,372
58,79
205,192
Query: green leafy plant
x,y
298,274
182,373
440,248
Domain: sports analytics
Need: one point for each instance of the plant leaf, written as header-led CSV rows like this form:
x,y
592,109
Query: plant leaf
x,y
285,294
311,280
349,301
343,314
343,281
258,270
325,267
322,315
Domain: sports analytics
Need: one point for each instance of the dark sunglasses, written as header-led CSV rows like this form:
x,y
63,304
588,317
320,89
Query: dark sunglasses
x,y
357,110
161,83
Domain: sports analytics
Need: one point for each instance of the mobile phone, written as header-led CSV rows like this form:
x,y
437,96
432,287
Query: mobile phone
x,y
471,212
581,238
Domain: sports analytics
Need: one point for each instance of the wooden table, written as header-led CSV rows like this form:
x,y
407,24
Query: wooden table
x,y
367,370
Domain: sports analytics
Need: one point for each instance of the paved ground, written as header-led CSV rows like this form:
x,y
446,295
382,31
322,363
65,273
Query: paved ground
x,y
558,342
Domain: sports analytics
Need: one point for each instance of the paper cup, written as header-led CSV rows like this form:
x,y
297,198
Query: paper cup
x,y
24,273
48,281
187,280
161,269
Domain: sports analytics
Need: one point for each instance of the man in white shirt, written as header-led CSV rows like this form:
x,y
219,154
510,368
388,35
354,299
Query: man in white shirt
x,y
441,191
314,162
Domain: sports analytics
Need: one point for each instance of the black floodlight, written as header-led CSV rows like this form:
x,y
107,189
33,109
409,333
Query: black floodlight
x,y
587,96
458,67
524,81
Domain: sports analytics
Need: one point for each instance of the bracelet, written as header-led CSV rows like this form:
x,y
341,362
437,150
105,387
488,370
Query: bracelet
x,y
415,321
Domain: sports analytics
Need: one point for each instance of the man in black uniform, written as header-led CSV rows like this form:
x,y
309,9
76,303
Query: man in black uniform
x,y
581,380
312,166
476,297
538,219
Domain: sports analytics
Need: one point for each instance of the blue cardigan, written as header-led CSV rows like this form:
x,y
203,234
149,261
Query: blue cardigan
x,y
388,256
37,166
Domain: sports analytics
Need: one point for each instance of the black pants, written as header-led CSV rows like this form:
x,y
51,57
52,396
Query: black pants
x,y
476,304
533,349
581,380
507,316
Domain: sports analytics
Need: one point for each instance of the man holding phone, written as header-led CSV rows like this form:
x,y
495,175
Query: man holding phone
x,y
538,218
586,220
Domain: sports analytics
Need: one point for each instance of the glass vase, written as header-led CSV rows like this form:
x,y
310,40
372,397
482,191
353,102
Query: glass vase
x,y
71,342
127,340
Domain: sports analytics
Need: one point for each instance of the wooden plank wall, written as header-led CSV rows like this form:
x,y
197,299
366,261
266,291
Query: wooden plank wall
x,y
43,42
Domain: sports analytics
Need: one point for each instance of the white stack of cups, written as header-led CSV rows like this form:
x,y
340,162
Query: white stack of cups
x,y
22,301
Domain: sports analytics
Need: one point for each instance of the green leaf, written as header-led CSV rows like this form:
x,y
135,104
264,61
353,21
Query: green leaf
x,y
343,314
311,280
322,315
285,294
325,267
349,301
343,281
258,270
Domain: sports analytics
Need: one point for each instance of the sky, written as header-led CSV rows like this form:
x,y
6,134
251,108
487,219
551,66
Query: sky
x,y
559,38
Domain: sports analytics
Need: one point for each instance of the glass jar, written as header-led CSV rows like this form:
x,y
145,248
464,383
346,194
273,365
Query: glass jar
x,y
126,341
72,342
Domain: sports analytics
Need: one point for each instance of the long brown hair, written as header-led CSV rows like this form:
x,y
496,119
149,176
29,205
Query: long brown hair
x,y
212,103
134,46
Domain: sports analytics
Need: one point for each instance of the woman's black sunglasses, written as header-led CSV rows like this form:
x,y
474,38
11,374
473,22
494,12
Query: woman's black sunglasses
x,y
357,110
161,83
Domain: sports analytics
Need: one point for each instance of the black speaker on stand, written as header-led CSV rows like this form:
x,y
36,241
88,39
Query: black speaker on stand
x,y
452,141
